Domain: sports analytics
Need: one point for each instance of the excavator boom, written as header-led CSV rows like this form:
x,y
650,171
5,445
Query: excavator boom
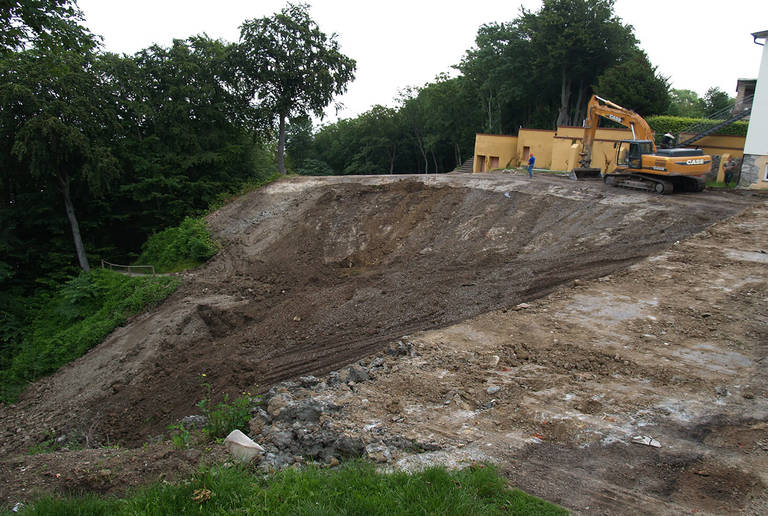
x,y
599,107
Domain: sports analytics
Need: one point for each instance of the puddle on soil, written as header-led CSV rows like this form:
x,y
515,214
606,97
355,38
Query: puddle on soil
x,y
747,256
611,308
709,357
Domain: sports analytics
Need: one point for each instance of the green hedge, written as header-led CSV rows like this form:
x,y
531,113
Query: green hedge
x,y
662,124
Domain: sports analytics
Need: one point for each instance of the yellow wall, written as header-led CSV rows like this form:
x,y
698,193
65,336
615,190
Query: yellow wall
x,y
567,146
490,146
560,150
733,145
539,142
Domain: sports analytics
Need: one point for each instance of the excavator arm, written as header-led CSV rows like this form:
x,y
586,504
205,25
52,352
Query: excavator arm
x,y
600,107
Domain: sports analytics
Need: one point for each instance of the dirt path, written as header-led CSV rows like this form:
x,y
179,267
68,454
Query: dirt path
x,y
320,272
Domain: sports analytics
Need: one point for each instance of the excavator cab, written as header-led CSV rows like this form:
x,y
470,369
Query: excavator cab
x,y
630,153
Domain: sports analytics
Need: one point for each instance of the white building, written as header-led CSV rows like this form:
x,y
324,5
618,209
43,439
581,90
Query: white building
x,y
754,169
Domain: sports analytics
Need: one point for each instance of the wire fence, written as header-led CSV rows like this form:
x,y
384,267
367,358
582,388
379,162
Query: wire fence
x,y
137,270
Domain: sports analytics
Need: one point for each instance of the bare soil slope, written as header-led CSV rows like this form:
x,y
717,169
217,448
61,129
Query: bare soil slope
x,y
316,273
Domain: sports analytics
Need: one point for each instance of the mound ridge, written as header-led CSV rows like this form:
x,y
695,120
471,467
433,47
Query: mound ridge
x,y
314,275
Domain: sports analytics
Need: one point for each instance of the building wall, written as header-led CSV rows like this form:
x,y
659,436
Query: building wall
x,y
567,146
712,145
494,149
539,143
753,168
757,133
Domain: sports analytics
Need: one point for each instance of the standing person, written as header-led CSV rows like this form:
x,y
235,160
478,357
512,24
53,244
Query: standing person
x,y
531,161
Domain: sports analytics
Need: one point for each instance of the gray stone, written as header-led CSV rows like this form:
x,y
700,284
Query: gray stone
x,y
376,362
283,440
355,374
307,410
258,421
749,170
721,390
398,348
308,381
378,452
194,422
493,389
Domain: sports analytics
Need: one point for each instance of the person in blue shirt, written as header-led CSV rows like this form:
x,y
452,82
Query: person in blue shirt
x,y
531,161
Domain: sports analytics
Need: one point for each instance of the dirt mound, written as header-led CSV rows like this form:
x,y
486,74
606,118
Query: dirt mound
x,y
314,274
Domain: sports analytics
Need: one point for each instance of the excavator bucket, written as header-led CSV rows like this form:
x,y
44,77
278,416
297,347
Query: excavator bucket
x,y
584,174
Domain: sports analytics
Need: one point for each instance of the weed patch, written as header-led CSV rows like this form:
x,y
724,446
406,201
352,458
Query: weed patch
x,y
183,247
225,417
79,315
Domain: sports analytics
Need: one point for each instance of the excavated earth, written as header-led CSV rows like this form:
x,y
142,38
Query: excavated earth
x,y
660,334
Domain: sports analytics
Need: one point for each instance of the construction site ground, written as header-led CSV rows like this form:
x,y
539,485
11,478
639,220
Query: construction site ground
x,y
549,322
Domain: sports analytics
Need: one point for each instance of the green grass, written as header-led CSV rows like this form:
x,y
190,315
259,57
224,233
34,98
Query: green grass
x,y
355,488
78,316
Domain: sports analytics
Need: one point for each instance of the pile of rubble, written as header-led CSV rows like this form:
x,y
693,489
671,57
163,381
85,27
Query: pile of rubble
x,y
305,420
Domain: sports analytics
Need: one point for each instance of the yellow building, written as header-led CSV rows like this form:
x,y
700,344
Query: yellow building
x,y
559,150
554,150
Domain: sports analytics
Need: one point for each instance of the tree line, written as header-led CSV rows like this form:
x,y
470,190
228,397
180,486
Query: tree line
x,y
536,71
98,150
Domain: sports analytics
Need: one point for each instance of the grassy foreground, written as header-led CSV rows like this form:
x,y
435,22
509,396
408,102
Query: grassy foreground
x,y
355,488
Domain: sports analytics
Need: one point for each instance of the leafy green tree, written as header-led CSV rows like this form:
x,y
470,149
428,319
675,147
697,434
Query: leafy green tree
x,y
498,71
56,124
298,141
291,66
685,103
635,84
717,103
186,134
46,24
571,43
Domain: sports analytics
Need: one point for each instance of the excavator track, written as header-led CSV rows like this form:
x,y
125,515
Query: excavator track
x,y
640,182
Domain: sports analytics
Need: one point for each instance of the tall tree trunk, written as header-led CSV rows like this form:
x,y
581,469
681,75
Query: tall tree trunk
x,y
423,151
490,114
434,159
392,155
70,208
576,114
565,99
457,152
281,146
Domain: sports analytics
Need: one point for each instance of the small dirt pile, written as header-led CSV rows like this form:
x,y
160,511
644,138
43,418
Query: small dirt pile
x,y
315,275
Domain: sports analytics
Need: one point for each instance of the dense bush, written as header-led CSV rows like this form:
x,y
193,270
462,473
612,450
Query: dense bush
x,y
78,316
182,247
675,124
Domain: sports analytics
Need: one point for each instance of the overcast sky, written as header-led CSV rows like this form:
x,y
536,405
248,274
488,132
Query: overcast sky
x,y
402,43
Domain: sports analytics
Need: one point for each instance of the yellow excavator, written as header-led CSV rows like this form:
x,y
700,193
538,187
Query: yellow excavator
x,y
639,164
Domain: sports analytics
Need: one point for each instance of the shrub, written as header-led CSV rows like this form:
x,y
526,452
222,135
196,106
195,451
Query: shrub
x,y
185,246
78,316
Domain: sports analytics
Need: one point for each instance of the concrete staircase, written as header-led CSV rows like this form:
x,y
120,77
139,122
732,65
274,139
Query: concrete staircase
x,y
466,167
